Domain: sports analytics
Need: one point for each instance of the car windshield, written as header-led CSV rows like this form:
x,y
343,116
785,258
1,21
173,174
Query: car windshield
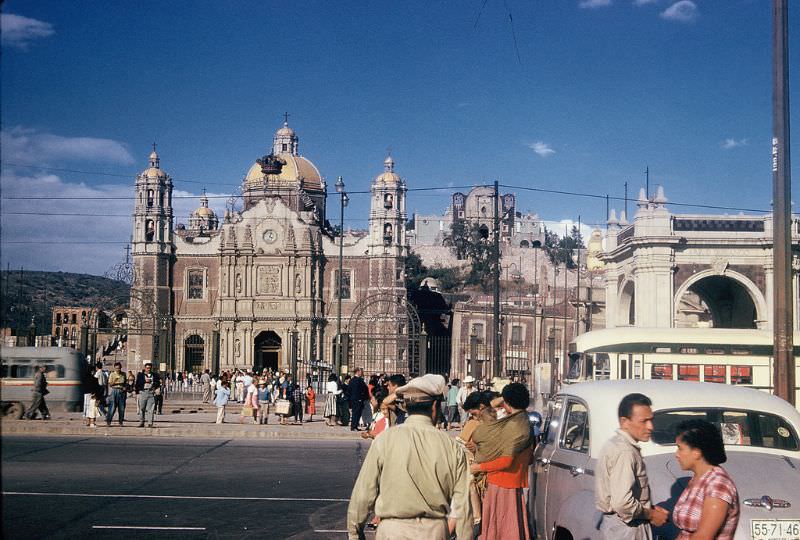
x,y
738,427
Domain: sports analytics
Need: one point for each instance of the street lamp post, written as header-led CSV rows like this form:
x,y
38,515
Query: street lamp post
x,y
343,199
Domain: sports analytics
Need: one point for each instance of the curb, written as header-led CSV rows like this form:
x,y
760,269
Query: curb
x,y
21,427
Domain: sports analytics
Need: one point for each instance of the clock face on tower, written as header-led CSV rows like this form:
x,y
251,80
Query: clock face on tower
x,y
270,236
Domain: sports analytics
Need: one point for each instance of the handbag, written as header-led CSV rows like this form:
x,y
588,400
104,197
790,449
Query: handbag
x,y
247,410
283,406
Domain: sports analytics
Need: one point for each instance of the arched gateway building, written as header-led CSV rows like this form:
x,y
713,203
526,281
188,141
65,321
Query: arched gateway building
x,y
237,292
669,270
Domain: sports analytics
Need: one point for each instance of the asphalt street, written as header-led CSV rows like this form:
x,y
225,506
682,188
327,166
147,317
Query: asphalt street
x,y
68,487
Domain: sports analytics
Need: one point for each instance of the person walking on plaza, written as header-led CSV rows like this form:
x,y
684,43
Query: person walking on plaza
x,y
343,402
466,389
622,491
415,477
453,418
332,392
264,397
205,380
39,390
117,398
221,399
146,383
359,393
709,506
311,403
297,404
101,377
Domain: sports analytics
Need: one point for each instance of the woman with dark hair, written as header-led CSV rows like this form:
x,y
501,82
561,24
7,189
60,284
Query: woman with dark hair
x,y
709,506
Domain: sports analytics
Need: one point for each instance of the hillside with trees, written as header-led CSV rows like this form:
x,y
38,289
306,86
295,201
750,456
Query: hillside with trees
x,y
27,294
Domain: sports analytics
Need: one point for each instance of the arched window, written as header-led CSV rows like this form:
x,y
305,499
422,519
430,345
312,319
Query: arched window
x,y
149,230
150,198
388,201
387,234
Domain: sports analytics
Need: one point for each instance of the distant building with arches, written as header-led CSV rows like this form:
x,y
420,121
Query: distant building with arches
x,y
668,270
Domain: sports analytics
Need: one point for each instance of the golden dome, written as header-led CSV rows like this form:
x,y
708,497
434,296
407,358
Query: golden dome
x,y
205,212
153,172
388,176
297,168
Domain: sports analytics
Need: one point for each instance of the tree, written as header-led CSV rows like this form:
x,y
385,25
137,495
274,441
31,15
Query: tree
x,y
469,242
562,250
415,271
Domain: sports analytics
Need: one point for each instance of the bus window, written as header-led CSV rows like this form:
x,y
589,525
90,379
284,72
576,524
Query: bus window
x,y
661,371
623,368
714,373
741,375
689,372
637,368
5,371
21,372
574,371
602,367
55,371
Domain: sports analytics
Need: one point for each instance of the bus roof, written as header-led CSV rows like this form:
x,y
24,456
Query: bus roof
x,y
599,339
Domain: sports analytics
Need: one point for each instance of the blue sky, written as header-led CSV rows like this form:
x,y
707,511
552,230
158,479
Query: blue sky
x,y
592,92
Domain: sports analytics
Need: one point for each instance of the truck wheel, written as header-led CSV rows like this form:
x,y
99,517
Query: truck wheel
x,y
15,411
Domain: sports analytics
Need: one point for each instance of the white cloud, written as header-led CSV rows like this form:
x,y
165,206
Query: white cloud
x,y
18,31
27,147
683,11
727,144
644,2
592,4
91,242
541,148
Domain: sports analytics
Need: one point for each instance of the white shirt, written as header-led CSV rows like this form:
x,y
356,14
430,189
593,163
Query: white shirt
x,y
331,387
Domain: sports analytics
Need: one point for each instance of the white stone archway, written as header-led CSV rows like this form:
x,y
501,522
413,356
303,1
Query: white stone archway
x,y
758,299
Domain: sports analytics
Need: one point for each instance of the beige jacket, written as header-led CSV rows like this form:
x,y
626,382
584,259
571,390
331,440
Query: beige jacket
x,y
621,485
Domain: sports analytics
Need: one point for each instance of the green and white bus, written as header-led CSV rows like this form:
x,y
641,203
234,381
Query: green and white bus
x,y
719,355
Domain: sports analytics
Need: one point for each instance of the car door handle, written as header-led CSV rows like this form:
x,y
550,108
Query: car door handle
x,y
576,471
543,460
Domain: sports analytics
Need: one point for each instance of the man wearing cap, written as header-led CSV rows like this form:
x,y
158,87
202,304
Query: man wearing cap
x,y
463,392
414,477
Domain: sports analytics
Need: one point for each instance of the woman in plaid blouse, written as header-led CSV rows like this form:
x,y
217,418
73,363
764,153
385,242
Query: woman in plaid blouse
x,y
709,506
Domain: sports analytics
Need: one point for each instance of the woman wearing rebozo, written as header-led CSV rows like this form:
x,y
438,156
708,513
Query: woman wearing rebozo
x,y
504,448
709,506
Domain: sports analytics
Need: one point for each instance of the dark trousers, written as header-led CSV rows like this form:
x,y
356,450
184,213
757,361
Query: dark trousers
x,y
298,411
159,399
38,404
116,402
355,416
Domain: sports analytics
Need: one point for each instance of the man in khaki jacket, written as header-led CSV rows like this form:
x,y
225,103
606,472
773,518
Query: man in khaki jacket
x,y
622,491
414,477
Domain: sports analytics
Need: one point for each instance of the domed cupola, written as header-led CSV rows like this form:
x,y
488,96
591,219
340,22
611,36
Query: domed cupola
x,y
285,140
204,218
388,177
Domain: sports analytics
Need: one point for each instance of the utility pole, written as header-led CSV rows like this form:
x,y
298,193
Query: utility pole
x,y
564,357
783,352
496,315
578,288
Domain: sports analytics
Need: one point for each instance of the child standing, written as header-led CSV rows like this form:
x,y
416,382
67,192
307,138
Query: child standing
x,y
223,394
311,403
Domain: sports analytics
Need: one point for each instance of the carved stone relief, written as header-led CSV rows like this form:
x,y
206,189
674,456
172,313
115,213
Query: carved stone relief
x,y
269,280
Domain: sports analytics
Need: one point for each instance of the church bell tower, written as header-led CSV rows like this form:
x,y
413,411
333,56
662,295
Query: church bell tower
x,y
387,228
153,252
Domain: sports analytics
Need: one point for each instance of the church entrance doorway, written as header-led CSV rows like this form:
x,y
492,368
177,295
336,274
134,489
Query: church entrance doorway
x,y
267,351
194,353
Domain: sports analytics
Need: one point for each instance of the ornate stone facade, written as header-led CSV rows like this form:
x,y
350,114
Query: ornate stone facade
x,y
239,294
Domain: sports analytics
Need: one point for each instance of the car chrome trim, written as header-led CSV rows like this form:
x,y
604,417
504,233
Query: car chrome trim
x,y
575,471
767,502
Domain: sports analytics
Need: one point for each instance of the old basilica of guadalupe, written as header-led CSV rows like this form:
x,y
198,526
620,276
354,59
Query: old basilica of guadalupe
x,y
260,287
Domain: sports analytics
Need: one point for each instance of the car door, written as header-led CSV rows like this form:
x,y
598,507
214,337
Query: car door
x,y
541,465
570,485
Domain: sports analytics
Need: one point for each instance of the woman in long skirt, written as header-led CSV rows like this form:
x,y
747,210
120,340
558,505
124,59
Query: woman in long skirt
x,y
332,393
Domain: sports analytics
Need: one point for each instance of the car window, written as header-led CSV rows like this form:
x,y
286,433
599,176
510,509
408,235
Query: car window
x,y
575,434
553,420
738,427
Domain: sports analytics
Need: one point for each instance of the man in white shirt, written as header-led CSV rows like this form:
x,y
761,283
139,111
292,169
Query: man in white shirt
x,y
463,392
